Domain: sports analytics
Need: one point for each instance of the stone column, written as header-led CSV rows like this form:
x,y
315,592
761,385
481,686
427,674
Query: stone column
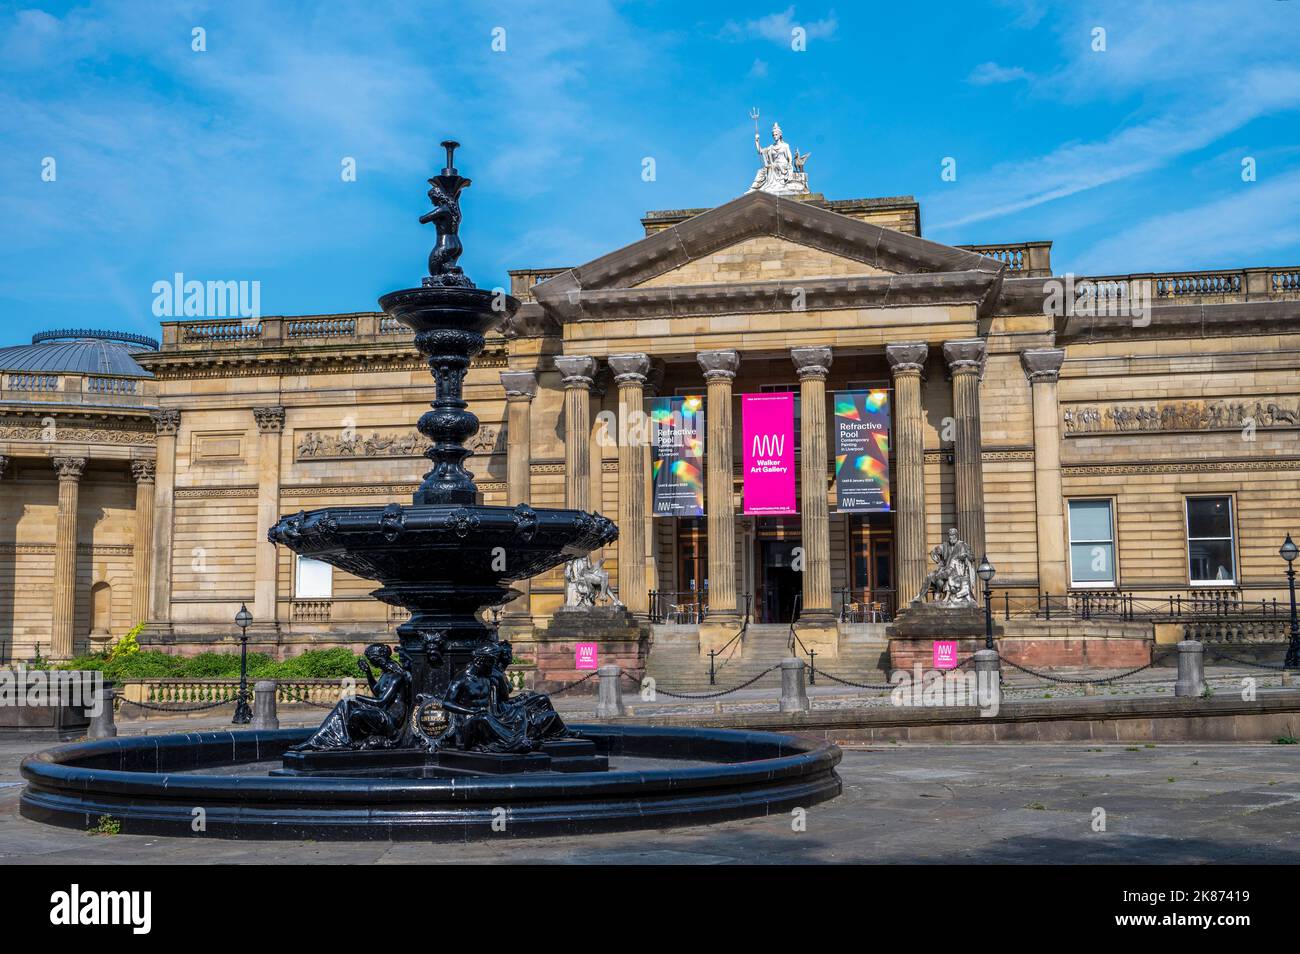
x,y
579,374
719,371
143,472
64,595
521,388
1043,366
167,421
630,373
813,365
966,362
907,360
270,429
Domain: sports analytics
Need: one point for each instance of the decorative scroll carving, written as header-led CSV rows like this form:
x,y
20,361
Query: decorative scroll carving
x,y
1181,416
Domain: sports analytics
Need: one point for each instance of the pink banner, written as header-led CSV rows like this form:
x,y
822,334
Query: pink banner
x,y
767,427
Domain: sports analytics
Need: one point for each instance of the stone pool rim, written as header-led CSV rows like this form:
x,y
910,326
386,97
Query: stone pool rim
x,y
147,784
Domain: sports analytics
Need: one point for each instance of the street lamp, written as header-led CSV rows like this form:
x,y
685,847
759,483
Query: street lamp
x,y
243,713
986,572
1289,552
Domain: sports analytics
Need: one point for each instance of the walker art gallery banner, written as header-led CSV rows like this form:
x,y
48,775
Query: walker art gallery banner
x,y
767,429
677,445
861,451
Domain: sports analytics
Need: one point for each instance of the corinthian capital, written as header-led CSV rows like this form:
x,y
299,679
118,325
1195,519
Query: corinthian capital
x,y
270,420
579,370
166,420
69,468
811,362
142,470
965,356
907,357
630,369
1042,364
718,364
519,385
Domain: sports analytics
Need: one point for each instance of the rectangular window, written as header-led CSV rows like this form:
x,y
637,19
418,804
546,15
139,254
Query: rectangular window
x,y
314,579
1092,543
1210,546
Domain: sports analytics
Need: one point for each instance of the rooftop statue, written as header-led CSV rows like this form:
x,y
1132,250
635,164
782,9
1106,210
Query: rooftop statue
x,y
782,172
953,578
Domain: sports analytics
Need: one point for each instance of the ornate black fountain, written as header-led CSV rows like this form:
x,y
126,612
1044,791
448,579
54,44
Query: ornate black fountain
x,y
445,557
440,745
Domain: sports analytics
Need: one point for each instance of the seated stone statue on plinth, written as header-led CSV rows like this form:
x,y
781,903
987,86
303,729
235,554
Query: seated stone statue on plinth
x,y
586,584
953,578
782,172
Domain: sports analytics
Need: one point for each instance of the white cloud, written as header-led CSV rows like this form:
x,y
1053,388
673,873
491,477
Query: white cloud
x,y
988,74
1242,227
778,27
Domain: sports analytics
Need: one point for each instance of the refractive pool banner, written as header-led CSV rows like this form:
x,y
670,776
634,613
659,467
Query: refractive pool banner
x,y
677,455
861,451
767,430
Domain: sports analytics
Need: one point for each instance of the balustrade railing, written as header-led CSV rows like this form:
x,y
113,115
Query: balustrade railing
x,y
320,327
33,382
183,692
98,385
234,329
311,611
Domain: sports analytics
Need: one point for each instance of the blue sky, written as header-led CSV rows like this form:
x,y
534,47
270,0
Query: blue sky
x,y
225,164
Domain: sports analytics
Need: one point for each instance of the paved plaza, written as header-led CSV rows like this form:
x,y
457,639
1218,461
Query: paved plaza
x,y
1165,804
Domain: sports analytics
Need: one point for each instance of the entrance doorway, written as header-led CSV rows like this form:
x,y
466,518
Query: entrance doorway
x,y
780,583
872,597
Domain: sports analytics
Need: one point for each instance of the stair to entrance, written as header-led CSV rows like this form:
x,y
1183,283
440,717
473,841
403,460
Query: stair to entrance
x,y
677,666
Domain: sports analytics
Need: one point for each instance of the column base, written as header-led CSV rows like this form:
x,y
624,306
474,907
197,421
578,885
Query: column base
x,y
717,629
819,633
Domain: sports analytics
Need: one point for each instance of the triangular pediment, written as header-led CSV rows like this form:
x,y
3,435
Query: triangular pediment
x,y
818,242
762,258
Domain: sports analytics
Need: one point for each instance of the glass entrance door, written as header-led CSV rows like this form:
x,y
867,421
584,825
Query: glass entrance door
x,y
871,597
780,583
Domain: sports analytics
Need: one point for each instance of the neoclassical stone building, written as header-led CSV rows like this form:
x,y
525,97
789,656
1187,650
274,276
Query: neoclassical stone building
x,y
1135,435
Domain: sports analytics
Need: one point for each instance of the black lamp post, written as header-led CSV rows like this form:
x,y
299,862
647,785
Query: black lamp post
x,y
1289,552
243,712
985,572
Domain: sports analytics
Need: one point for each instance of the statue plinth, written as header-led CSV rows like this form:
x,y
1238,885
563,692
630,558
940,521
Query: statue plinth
x,y
914,632
621,639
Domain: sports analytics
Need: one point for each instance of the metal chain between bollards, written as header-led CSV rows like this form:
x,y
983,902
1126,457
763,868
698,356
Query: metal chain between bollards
x,y
173,708
576,682
709,695
1245,662
850,682
1074,682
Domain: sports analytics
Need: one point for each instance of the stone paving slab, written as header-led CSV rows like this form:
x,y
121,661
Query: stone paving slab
x,y
901,804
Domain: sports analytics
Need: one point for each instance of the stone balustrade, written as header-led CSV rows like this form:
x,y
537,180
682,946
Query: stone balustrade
x,y
78,389
183,692
1023,259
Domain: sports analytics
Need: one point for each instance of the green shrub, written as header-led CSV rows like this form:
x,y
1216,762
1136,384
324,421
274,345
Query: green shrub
x,y
149,664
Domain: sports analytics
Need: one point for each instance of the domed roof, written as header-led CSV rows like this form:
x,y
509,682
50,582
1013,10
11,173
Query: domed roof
x,y
79,351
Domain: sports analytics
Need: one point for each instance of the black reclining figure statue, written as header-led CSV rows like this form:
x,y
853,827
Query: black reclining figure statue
x,y
481,715
377,721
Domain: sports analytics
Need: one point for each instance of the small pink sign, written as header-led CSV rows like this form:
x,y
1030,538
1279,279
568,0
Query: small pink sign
x,y
945,654
586,656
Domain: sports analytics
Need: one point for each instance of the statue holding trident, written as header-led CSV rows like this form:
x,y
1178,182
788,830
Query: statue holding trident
x,y
782,172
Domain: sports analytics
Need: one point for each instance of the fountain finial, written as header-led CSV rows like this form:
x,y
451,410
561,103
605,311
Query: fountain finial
x,y
444,193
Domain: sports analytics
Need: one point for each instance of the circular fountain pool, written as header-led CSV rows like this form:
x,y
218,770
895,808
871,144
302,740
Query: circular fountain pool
x,y
657,778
